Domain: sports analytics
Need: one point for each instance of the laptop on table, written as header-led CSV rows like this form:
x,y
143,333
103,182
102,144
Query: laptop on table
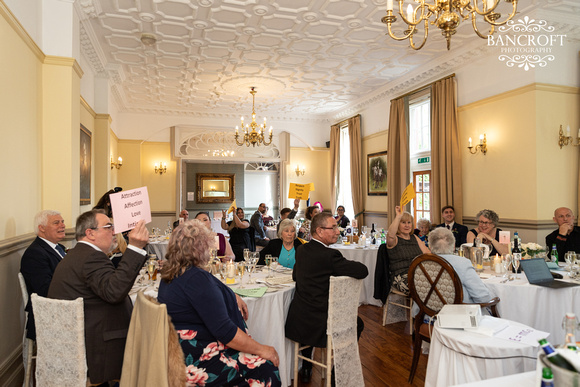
x,y
538,273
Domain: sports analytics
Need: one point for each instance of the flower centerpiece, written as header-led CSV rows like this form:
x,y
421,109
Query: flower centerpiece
x,y
531,250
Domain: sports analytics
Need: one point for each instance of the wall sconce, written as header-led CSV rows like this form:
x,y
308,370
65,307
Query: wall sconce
x,y
161,168
117,164
482,146
300,172
567,139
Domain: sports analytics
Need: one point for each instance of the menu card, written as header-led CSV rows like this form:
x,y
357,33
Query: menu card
x,y
253,292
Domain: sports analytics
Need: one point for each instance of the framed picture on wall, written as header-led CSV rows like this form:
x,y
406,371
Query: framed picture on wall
x,y
85,158
377,173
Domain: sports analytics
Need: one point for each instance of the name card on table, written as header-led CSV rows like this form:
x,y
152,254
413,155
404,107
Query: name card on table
x,y
504,237
129,207
299,191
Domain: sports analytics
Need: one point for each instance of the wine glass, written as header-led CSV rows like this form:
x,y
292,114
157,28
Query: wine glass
x,y
516,265
506,261
246,254
252,267
241,269
151,268
268,259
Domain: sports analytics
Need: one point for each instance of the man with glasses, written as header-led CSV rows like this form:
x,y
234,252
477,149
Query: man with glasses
x,y
315,263
459,231
87,272
567,236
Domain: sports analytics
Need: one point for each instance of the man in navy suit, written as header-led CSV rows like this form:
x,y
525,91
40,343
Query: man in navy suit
x,y
41,257
459,231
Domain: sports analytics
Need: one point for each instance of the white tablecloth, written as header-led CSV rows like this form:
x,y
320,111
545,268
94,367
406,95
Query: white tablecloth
x,y
267,316
536,306
157,248
457,356
525,379
368,256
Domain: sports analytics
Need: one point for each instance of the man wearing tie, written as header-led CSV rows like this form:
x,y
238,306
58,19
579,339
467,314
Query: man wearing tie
x,y
459,231
41,257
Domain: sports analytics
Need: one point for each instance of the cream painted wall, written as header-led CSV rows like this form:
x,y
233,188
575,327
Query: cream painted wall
x,y
161,187
129,176
373,144
317,165
114,154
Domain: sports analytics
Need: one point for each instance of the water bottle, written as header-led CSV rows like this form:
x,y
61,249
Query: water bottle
x,y
383,236
554,254
569,324
547,377
554,357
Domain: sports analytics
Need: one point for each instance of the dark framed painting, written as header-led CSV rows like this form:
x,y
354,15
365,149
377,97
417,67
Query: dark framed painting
x,y
377,173
85,170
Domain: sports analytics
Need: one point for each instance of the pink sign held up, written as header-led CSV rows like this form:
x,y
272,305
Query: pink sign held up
x,y
129,207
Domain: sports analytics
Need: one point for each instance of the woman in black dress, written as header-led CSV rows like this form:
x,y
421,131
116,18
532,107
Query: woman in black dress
x,y
241,235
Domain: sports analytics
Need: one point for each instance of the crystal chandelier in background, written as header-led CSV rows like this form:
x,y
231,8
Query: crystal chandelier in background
x,y
254,136
447,16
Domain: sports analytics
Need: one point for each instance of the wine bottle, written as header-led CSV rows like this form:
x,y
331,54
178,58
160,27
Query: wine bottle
x,y
547,377
554,254
516,252
554,357
373,235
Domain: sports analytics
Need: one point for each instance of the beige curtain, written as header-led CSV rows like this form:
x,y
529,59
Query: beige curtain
x,y
356,178
334,155
446,187
397,156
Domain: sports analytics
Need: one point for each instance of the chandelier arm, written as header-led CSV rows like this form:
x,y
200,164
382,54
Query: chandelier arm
x,y
474,23
406,36
421,18
424,37
486,15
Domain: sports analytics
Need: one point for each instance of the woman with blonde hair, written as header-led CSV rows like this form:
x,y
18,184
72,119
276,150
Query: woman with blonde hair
x,y
208,317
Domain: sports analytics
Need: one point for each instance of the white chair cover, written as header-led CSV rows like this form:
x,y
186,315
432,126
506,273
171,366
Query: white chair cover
x,y
60,341
343,301
27,344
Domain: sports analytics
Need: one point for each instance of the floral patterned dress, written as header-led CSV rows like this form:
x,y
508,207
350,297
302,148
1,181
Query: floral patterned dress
x,y
205,314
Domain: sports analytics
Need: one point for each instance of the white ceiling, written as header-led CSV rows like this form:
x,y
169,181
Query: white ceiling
x,y
305,57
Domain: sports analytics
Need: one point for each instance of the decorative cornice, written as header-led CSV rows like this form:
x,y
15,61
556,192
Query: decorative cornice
x,y
92,52
85,104
20,31
64,61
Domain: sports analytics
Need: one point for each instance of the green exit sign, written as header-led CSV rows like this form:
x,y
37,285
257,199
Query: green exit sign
x,y
423,160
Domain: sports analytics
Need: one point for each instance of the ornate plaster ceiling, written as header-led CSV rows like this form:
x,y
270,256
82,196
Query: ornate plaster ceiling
x,y
307,58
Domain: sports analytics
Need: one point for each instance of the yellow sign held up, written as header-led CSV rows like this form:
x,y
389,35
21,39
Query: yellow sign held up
x,y
232,207
408,195
299,191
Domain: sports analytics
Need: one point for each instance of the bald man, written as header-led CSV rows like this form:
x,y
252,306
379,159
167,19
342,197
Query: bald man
x,y
567,236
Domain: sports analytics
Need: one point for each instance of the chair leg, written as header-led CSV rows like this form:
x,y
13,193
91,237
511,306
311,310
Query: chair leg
x,y
296,350
329,362
385,311
29,357
416,354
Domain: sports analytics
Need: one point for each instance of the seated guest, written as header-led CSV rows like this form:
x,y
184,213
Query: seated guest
x,y
315,264
341,218
488,232
41,258
224,248
119,247
257,222
459,231
206,314
567,236
240,233
104,202
182,215
311,212
442,243
267,218
86,271
290,213
403,247
283,247
422,230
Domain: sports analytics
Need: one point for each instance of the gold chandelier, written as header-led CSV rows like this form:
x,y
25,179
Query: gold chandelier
x,y
448,14
253,137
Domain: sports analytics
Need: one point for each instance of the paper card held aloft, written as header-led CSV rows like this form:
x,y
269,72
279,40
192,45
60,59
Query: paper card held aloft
x,y
299,191
129,207
232,207
408,195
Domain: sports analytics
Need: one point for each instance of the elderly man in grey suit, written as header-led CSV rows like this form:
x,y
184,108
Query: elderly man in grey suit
x,y
87,272
442,243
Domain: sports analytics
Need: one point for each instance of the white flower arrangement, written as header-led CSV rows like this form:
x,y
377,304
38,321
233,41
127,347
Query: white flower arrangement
x,y
532,249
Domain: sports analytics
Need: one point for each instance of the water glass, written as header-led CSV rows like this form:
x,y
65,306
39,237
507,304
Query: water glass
x,y
516,265
506,261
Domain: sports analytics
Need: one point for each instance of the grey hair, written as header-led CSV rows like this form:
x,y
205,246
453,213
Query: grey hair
x,y
423,221
286,223
87,221
441,241
489,214
41,219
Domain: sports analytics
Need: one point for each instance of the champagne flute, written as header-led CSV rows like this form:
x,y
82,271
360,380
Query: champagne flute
x,y
516,265
151,267
241,268
268,259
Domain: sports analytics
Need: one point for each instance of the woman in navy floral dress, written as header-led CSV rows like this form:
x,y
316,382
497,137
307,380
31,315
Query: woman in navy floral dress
x,y
206,313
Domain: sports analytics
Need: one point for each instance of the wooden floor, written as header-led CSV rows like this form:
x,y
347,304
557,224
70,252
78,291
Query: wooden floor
x,y
385,353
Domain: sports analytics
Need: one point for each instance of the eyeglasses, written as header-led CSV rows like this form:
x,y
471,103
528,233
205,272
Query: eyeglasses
x,y
335,227
108,225
484,223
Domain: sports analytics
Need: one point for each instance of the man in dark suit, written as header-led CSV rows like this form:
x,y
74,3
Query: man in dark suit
x,y
315,263
459,231
40,259
87,272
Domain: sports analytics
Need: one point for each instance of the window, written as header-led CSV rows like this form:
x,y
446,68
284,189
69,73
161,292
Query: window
x,y
420,152
344,194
